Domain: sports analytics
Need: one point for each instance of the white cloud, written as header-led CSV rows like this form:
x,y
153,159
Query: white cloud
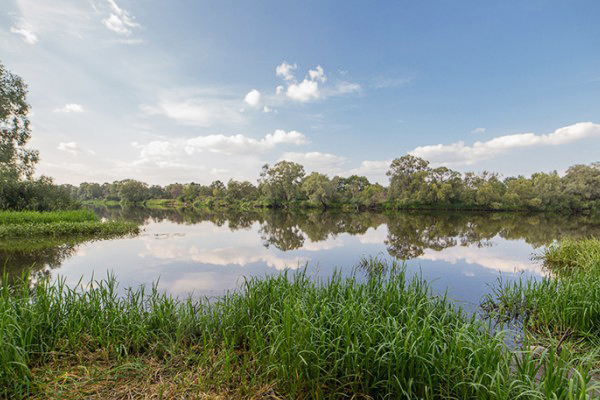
x,y
304,91
374,170
72,148
315,161
240,144
119,20
460,154
285,71
345,88
309,88
195,112
69,108
253,98
269,110
318,74
25,31
156,149
478,130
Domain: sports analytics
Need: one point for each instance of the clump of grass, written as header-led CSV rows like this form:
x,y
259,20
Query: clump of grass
x,y
572,254
97,229
36,217
566,302
386,337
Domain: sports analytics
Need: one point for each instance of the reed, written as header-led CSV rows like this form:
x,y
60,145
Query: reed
x,y
383,336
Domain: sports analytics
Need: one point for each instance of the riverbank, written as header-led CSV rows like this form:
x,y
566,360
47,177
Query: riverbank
x,y
387,206
287,335
29,224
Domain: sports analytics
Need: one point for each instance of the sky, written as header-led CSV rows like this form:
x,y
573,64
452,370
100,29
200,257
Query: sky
x,y
195,91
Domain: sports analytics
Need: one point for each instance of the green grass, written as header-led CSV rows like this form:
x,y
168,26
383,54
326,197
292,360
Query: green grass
x,y
35,217
572,254
565,303
283,336
55,224
97,229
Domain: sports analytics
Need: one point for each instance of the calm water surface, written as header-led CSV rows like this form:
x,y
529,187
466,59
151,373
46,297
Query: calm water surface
x,y
209,253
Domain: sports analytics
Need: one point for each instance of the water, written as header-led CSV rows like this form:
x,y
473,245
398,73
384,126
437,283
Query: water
x,y
209,253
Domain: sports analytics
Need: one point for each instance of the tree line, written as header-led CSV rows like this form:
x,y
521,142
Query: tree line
x,y
413,184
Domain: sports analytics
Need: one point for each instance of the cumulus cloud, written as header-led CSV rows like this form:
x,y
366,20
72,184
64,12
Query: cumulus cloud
x,y
269,110
311,87
253,98
285,71
182,153
460,154
315,161
72,148
25,31
70,108
318,74
478,130
119,20
304,91
242,144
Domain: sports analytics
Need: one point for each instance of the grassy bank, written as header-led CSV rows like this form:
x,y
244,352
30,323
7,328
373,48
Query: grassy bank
x,y
95,229
562,306
35,217
60,224
278,337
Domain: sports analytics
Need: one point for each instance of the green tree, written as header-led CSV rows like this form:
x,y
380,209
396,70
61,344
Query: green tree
x,y
132,191
319,189
281,183
16,161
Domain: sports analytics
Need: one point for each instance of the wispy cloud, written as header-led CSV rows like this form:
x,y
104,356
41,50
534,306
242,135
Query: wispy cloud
x,y
24,30
195,112
119,20
478,131
73,148
69,108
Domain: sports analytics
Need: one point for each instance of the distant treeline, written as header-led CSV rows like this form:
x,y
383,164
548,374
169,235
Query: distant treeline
x,y
413,184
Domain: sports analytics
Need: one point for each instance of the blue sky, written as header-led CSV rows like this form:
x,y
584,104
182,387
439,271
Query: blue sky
x,y
166,91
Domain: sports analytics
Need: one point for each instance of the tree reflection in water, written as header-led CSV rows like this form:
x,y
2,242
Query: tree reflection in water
x,y
409,234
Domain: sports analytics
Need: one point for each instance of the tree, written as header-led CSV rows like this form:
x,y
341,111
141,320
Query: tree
x,y
132,191
319,189
281,183
407,173
16,161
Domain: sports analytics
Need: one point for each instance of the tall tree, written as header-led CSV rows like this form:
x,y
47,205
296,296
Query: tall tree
x,y
16,161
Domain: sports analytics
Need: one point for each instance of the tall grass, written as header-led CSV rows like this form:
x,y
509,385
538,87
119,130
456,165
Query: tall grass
x,y
386,337
567,302
35,217
572,254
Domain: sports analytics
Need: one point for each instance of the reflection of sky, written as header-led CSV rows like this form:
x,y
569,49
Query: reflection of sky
x,y
205,259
